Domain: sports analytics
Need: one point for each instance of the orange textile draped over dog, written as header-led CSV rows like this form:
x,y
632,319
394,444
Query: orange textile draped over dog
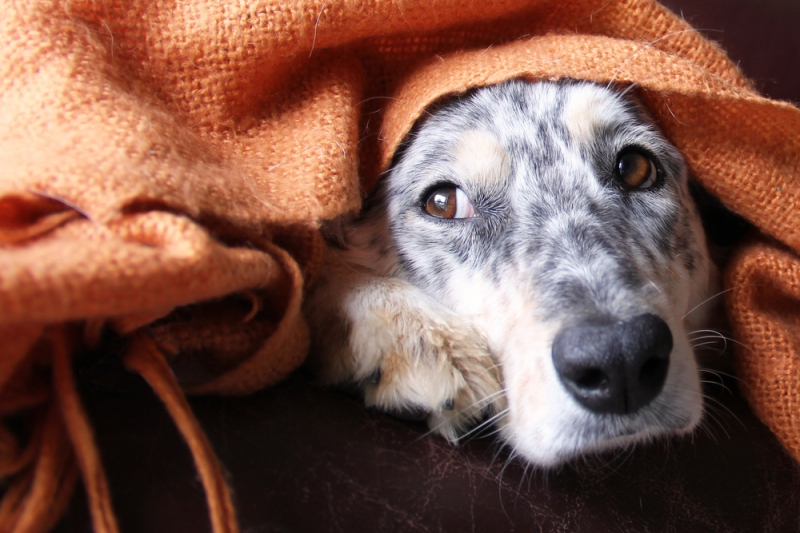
x,y
165,167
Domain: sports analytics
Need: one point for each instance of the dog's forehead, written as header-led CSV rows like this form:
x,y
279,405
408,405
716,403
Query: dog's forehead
x,y
583,108
479,155
520,112
589,109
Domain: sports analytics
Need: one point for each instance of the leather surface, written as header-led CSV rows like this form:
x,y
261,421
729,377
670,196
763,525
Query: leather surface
x,y
305,459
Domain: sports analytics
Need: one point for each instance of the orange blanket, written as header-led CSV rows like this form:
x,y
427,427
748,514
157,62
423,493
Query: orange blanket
x,y
165,166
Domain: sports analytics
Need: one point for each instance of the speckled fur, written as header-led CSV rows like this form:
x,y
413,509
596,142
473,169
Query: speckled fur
x,y
456,318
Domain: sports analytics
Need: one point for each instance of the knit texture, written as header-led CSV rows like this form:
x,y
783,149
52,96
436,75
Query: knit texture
x,y
166,166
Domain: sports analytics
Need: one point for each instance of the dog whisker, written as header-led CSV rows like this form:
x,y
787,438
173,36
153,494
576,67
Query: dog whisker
x,y
486,400
715,403
715,417
712,419
703,345
484,424
709,339
629,88
726,339
479,404
658,289
720,374
711,298
717,384
713,337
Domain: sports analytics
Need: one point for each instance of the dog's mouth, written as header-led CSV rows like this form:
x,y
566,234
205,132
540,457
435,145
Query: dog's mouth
x,y
588,435
600,433
611,384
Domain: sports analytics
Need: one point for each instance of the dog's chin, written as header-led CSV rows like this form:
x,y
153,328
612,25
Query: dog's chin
x,y
589,434
546,426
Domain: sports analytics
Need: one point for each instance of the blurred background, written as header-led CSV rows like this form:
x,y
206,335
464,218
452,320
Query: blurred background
x,y
762,36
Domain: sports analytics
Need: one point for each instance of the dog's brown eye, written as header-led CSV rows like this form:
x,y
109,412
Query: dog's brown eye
x,y
449,202
636,171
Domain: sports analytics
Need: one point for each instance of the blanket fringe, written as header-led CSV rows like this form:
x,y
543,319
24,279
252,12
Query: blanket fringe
x,y
144,358
81,435
43,473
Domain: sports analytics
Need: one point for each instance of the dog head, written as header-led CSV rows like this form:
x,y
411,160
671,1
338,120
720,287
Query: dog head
x,y
559,219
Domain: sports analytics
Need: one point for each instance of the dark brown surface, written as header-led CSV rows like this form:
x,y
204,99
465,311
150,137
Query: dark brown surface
x,y
302,459
762,36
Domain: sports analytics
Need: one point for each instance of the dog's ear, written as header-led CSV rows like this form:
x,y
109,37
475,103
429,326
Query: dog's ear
x,y
440,105
632,95
723,227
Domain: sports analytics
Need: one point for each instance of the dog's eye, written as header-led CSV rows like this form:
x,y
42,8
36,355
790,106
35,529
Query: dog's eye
x,y
636,170
449,202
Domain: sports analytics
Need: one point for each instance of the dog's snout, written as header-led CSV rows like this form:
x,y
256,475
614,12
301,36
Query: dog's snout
x,y
614,368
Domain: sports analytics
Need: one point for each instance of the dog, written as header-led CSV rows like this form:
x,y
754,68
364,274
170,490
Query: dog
x,y
532,259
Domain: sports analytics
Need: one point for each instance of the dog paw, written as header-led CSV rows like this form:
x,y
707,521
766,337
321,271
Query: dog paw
x,y
428,363
406,353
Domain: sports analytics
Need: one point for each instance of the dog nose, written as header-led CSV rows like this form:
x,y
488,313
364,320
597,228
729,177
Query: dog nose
x,y
614,368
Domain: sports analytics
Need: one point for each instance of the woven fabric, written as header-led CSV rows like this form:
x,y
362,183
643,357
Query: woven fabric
x,y
166,166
